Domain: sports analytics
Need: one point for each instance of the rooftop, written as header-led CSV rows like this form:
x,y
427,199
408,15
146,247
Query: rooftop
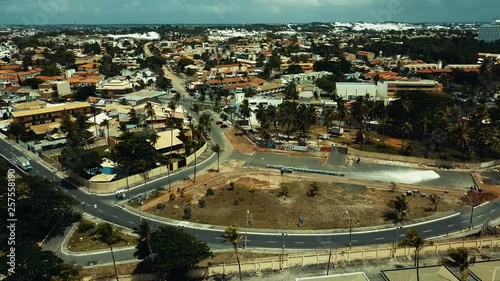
x,y
68,106
433,273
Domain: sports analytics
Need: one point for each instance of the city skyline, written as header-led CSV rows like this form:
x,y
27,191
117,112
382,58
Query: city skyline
x,y
244,12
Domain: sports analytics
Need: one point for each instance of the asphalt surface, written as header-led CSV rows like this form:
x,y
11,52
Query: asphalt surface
x,y
104,206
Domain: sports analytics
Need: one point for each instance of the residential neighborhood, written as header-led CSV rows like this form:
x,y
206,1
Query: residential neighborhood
x,y
259,151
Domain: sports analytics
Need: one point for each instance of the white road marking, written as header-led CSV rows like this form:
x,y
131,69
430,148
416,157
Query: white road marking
x,y
219,238
492,211
272,241
300,242
479,216
381,238
131,222
354,241
465,221
74,196
100,210
65,190
450,225
115,217
428,230
326,242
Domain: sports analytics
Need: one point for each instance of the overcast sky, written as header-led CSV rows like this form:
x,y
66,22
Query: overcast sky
x,y
243,11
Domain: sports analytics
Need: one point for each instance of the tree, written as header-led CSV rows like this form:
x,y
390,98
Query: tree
x,y
150,112
27,62
50,70
313,190
31,82
435,200
231,236
217,150
83,93
245,110
459,258
143,247
133,118
182,63
109,236
163,83
196,108
295,69
417,242
393,186
291,91
32,263
398,210
80,161
405,129
186,249
105,123
70,272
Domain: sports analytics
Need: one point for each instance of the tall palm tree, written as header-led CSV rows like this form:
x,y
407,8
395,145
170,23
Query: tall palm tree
x,y
461,134
150,112
70,272
405,129
231,236
194,145
435,200
459,258
246,111
217,150
398,210
143,247
417,242
196,108
105,123
109,236
143,167
133,118
343,111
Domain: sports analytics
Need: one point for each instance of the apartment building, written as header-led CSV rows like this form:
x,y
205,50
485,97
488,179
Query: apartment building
x,y
489,32
49,114
304,77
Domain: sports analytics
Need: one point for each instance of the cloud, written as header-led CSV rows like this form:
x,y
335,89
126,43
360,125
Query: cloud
x,y
243,11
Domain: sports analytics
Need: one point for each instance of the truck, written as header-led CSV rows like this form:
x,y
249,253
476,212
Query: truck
x,y
24,163
337,131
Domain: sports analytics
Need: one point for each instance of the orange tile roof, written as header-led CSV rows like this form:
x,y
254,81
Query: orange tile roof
x,y
5,72
49,78
11,88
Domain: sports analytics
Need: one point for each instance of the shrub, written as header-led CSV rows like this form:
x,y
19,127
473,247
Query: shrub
x,y
313,190
251,189
236,202
210,192
85,226
187,213
284,190
171,197
202,203
232,186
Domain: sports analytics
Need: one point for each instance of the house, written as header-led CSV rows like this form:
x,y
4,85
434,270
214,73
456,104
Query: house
x,y
117,86
486,270
166,144
48,114
136,97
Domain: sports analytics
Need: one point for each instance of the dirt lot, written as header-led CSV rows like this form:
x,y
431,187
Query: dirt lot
x,y
365,201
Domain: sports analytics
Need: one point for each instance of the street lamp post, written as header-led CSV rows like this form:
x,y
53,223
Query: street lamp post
x,y
283,250
246,233
140,207
472,209
350,229
397,237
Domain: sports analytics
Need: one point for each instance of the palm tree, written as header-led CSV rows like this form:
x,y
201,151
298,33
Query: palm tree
x,y
70,272
405,129
143,167
105,123
398,210
459,258
194,145
196,108
133,118
217,150
343,111
109,236
417,242
231,236
245,110
435,200
150,112
461,134
143,247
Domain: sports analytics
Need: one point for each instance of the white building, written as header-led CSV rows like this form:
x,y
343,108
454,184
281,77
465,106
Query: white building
x,y
490,32
350,91
304,77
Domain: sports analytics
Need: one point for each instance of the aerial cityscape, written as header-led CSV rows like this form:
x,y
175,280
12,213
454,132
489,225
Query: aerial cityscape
x,y
250,140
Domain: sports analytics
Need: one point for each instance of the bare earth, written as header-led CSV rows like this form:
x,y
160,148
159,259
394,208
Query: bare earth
x,y
365,201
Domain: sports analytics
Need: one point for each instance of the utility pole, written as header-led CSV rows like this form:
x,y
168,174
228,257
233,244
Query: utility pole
x,y
246,233
330,257
350,229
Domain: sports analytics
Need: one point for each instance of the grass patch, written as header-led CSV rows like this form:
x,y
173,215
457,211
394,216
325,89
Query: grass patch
x,y
101,151
84,239
271,209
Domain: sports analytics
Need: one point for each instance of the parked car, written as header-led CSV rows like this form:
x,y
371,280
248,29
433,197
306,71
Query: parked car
x,y
324,137
219,122
223,126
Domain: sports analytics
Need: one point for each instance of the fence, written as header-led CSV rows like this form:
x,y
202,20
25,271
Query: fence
x,y
106,187
344,256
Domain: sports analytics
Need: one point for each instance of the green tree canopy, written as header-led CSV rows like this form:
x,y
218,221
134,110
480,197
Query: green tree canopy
x,y
80,161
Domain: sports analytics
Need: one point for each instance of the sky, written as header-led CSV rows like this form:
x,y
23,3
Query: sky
x,y
243,11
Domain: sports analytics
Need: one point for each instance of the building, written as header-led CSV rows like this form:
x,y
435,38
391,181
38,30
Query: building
x,y
485,271
350,91
357,276
431,273
304,77
137,97
489,32
116,86
48,115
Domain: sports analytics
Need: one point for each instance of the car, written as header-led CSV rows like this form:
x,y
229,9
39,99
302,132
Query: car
x,y
219,122
223,126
